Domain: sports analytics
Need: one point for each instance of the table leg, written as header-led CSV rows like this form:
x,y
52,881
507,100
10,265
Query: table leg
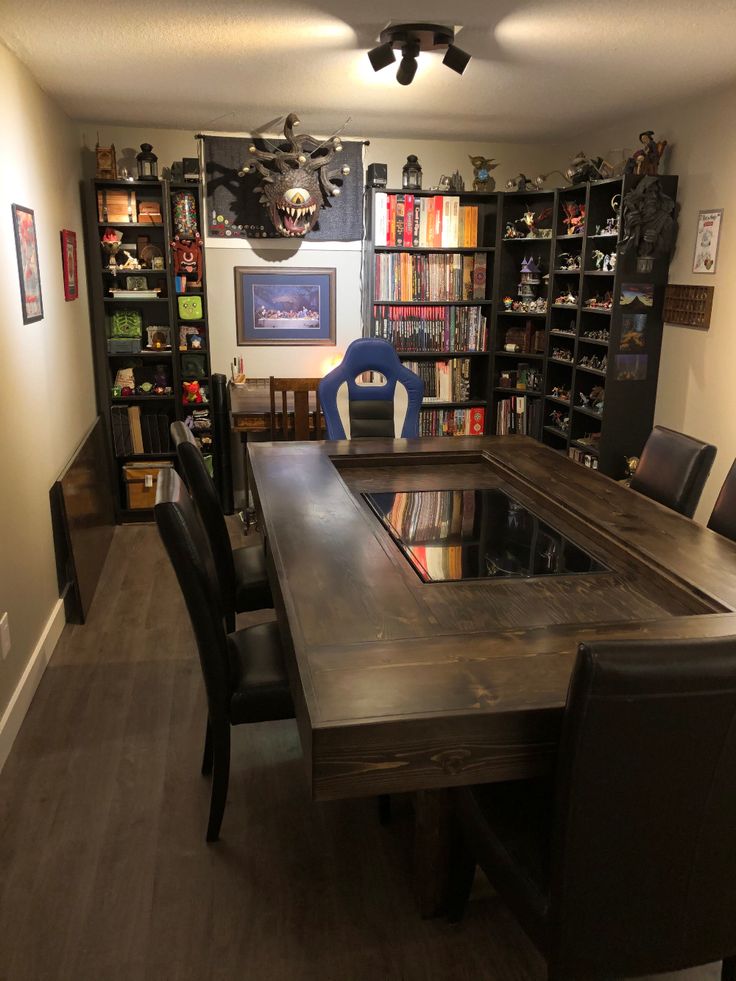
x,y
432,841
248,511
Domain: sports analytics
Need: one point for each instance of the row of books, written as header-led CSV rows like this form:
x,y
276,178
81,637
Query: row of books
x,y
418,278
426,328
518,416
439,222
136,431
580,456
452,422
431,516
444,381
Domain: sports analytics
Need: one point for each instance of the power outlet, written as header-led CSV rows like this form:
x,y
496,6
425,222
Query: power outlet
x,y
4,635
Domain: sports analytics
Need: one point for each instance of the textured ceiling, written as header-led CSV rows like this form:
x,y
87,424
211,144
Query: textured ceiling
x,y
539,69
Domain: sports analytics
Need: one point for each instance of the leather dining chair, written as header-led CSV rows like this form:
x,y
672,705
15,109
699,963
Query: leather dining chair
x,y
723,516
240,571
379,408
625,863
673,469
307,423
244,675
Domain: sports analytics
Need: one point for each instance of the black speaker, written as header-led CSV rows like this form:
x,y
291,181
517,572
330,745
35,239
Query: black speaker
x,y
377,175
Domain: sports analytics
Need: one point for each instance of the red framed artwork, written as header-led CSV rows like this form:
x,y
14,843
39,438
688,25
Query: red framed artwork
x,y
69,262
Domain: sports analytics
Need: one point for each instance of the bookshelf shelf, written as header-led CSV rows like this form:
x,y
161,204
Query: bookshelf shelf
x,y
439,251
606,313
591,371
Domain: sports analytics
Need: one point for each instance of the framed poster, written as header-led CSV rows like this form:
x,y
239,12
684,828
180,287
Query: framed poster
x,y
26,250
69,264
278,306
706,240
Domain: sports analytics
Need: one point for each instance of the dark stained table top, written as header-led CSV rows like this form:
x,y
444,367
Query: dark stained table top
x,y
402,684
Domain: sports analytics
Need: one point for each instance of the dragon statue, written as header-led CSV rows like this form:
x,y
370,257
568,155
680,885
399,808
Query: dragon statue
x,y
296,180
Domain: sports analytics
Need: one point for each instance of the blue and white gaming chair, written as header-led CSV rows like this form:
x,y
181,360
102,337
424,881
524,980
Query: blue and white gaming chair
x,y
389,408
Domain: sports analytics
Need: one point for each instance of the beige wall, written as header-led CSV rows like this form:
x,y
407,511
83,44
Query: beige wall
x,y
437,157
47,383
696,393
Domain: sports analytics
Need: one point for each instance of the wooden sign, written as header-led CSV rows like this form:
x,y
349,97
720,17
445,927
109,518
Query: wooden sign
x,y
688,306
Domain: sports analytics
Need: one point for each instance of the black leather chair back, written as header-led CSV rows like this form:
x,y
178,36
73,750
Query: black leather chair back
x,y
187,546
203,491
673,469
723,517
643,875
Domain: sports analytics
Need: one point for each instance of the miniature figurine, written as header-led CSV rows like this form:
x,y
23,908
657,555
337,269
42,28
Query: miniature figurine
x,y
597,256
584,168
645,162
507,302
567,260
567,298
649,227
559,421
482,167
574,217
520,183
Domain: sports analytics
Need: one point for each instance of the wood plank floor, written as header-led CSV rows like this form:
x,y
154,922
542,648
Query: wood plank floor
x,y
104,872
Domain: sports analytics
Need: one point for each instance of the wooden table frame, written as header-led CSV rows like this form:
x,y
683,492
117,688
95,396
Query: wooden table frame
x,y
401,685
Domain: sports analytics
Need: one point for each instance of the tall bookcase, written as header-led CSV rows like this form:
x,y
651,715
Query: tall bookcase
x,y
544,367
433,302
165,363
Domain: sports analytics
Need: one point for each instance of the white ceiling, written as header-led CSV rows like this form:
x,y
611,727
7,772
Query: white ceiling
x,y
540,69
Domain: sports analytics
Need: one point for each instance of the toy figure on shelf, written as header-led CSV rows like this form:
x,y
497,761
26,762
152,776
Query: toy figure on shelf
x,y
130,261
561,393
574,217
584,168
531,222
567,298
520,183
594,362
559,421
530,278
565,260
192,393
482,167
645,162
600,303
529,306
161,384
596,335
188,258
507,302
111,241
561,354
649,225
597,256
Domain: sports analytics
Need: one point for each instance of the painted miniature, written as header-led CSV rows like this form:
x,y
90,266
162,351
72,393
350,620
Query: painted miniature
x,y
566,260
482,167
573,217
645,161
566,298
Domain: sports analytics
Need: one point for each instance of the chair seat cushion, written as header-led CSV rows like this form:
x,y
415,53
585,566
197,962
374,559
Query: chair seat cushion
x,y
509,828
260,686
252,591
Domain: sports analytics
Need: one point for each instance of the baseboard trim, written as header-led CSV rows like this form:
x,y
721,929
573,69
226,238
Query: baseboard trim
x,y
21,699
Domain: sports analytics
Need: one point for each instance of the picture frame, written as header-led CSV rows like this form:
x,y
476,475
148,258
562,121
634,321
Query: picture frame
x,y
29,275
69,264
707,236
285,307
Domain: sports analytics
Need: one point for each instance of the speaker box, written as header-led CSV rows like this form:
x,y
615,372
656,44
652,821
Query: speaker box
x,y
377,175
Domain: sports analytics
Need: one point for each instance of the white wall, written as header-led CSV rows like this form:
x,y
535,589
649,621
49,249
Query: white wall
x,y
47,381
437,157
696,393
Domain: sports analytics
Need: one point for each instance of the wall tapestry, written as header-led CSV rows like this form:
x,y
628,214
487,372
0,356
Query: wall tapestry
x,y
233,208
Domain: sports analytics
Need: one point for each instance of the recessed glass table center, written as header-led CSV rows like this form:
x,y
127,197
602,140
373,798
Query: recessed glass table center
x,y
453,535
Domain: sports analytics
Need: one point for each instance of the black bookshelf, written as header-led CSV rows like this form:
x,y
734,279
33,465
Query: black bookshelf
x,y
160,312
395,318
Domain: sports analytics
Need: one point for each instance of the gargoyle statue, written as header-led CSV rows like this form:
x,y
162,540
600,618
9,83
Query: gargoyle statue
x,y
296,180
482,167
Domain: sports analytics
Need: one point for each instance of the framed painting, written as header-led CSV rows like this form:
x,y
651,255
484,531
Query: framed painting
x,y
26,250
278,306
706,241
69,264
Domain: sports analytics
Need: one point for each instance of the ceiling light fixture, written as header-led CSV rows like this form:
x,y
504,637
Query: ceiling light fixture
x,y
411,39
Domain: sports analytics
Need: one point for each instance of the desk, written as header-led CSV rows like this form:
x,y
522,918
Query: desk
x,y
401,685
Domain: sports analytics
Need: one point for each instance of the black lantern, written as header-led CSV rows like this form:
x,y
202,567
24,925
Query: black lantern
x,y
147,163
411,174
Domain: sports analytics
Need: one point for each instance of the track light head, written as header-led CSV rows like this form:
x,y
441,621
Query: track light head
x,y
408,67
456,58
410,39
382,56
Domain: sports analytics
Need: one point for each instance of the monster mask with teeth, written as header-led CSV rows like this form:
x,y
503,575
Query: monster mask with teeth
x,y
296,181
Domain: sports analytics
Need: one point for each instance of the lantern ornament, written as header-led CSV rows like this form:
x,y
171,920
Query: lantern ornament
x,y
411,174
147,163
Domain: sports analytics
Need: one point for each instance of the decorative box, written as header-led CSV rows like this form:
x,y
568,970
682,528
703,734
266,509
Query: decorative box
x,y
126,323
149,212
123,345
116,206
140,482
521,336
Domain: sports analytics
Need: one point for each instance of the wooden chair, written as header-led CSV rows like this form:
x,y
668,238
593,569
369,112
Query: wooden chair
x,y
244,673
300,389
625,864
